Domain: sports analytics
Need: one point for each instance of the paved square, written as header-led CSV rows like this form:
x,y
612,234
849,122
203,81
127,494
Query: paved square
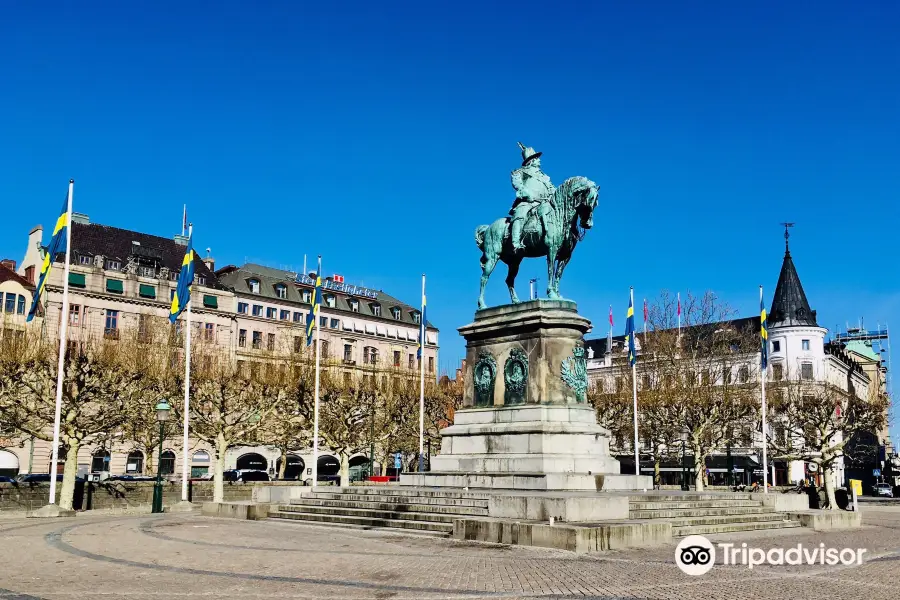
x,y
173,556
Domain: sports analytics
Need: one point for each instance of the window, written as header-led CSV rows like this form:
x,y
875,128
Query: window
x,y
306,295
270,342
20,307
271,313
74,315
806,371
298,343
242,338
115,286
743,374
257,340
330,301
776,346
243,307
29,275
370,355
323,321
431,364
134,464
77,280
348,352
335,323
777,372
324,348
173,275
85,260
111,329
298,317
143,328
10,303
805,344
417,317
281,290
285,315
254,286
147,271
354,305
209,331
412,361
211,301
395,312
396,358
100,461
727,376
645,382
257,310
167,463
376,310
113,265
146,291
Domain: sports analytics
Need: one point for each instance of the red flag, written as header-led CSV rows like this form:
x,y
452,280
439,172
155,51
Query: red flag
x,y
610,316
338,278
645,310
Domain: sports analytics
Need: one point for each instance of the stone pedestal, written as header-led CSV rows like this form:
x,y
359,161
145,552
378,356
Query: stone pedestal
x,y
525,421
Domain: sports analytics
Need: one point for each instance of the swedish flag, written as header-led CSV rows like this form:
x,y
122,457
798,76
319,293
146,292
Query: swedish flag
x,y
57,244
763,332
317,300
629,331
421,331
185,281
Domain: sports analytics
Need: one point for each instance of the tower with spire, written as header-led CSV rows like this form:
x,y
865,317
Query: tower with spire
x,y
796,342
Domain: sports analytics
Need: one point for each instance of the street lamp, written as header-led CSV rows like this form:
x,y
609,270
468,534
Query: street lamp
x,y
162,415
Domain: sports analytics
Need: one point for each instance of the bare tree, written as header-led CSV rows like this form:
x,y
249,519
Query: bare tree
x,y
816,420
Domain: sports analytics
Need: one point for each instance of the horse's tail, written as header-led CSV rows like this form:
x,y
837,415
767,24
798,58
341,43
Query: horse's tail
x,y
479,236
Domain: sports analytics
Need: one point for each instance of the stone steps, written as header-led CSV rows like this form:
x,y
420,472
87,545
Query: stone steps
x,y
404,499
365,522
666,513
440,509
690,497
397,491
686,530
392,515
726,519
699,504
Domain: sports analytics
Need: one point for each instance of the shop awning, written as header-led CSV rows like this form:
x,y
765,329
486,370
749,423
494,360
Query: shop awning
x,y
147,291
115,286
211,301
76,280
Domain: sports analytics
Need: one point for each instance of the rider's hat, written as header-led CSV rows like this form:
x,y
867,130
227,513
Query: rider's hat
x,y
528,154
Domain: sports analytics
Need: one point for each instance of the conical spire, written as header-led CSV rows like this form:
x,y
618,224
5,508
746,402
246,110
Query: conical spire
x,y
789,305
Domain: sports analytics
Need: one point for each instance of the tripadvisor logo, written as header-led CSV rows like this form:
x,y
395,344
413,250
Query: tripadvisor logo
x,y
696,555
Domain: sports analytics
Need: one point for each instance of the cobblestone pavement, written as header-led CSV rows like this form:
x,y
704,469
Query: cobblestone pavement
x,y
173,556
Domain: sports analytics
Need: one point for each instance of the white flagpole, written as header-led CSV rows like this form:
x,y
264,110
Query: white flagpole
x,y
679,314
762,385
315,468
422,386
187,387
183,219
63,338
637,458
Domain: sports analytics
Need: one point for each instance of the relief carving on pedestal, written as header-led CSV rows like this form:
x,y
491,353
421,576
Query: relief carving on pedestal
x,y
485,373
574,374
515,376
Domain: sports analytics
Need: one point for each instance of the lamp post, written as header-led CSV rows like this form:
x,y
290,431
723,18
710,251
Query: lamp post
x,y
162,415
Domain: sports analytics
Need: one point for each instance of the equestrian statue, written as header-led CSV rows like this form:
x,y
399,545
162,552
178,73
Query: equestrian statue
x,y
544,221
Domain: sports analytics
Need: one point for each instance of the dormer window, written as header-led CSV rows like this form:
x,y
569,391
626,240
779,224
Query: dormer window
x,y
281,290
113,265
85,260
417,317
395,312
354,305
254,285
330,301
306,295
376,310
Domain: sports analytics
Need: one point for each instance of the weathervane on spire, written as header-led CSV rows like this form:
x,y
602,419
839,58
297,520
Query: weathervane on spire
x,y
787,235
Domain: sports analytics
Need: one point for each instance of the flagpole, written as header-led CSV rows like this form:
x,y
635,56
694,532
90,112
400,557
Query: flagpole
x,y
637,458
679,315
762,385
315,468
61,365
187,384
645,320
422,386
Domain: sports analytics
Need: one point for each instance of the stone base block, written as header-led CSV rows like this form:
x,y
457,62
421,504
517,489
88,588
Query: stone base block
x,y
569,509
51,511
527,481
236,510
828,520
182,507
783,502
575,538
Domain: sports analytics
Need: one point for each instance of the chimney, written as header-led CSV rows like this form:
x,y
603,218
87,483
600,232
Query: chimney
x,y
209,261
181,240
8,263
81,218
32,258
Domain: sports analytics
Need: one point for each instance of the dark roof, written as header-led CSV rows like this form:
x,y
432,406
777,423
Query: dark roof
x,y
599,345
238,279
789,304
118,244
7,274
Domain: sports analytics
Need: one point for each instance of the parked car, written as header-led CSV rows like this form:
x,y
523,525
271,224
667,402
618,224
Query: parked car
x,y
41,478
131,478
884,489
7,479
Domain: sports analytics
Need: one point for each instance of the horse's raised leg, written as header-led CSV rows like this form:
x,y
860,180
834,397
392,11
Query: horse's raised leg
x,y
511,279
488,262
552,284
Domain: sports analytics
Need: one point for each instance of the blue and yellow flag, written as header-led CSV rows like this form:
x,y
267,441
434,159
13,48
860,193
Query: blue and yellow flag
x,y
421,331
763,333
57,244
185,282
629,331
316,301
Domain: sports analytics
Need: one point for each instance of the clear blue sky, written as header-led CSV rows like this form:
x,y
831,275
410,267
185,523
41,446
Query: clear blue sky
x,y
381,135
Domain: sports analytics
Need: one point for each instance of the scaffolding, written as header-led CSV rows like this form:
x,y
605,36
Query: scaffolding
x,y
880,341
